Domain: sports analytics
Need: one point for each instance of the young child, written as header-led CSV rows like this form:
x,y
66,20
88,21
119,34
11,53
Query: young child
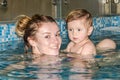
x,y
79,26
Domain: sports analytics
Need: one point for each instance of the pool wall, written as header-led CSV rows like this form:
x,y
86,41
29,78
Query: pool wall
x,y
103,26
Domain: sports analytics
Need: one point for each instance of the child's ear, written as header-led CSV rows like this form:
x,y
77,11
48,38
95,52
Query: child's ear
x,y
90,29
31,41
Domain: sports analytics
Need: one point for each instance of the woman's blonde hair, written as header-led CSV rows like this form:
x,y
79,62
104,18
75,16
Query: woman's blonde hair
x,y
21,23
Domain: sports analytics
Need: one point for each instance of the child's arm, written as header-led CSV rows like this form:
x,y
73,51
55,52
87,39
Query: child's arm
x,y
69,46
88,50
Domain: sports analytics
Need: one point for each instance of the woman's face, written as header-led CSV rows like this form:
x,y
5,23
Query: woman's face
x,y
48,39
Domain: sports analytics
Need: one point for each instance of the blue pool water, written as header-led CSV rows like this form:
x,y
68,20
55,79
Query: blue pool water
x,y
15,66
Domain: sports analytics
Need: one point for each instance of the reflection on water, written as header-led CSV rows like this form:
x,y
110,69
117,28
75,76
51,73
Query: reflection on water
x,y
115,29
14,65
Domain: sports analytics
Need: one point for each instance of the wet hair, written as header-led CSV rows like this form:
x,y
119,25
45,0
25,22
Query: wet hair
x,y
79,14
28,27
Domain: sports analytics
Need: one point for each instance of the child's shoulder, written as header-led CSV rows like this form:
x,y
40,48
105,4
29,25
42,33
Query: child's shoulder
x,y
89,48
89,43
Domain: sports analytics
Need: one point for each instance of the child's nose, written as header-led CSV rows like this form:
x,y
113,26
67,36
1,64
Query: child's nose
x,y
74,33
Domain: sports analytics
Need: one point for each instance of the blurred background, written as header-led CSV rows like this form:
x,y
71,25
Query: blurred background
x,y
9,9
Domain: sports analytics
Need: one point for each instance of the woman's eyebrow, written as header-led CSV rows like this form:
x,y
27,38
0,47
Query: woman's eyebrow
x,y
46,33
49,32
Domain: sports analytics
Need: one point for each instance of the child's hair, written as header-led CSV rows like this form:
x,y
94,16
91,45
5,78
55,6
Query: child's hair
x,y
28,27
79,14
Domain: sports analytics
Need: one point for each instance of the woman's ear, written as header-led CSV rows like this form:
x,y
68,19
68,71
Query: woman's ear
x,y
90,29
31,41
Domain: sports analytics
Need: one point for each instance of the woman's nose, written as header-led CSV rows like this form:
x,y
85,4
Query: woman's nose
x,y
55,40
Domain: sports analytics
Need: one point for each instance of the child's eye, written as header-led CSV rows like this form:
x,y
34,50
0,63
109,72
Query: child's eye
x,y
70,29
79,29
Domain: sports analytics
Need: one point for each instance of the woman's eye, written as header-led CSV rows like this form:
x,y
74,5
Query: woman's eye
x,y
58,34
47,36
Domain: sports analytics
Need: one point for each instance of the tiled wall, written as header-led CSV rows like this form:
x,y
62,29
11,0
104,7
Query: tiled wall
x,y
106,26
7,32
103,26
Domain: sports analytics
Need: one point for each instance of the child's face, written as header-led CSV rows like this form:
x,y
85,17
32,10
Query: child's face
x,y
48,40
79,30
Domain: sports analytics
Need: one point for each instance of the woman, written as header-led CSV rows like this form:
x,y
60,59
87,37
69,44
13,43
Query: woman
x,y
40,33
